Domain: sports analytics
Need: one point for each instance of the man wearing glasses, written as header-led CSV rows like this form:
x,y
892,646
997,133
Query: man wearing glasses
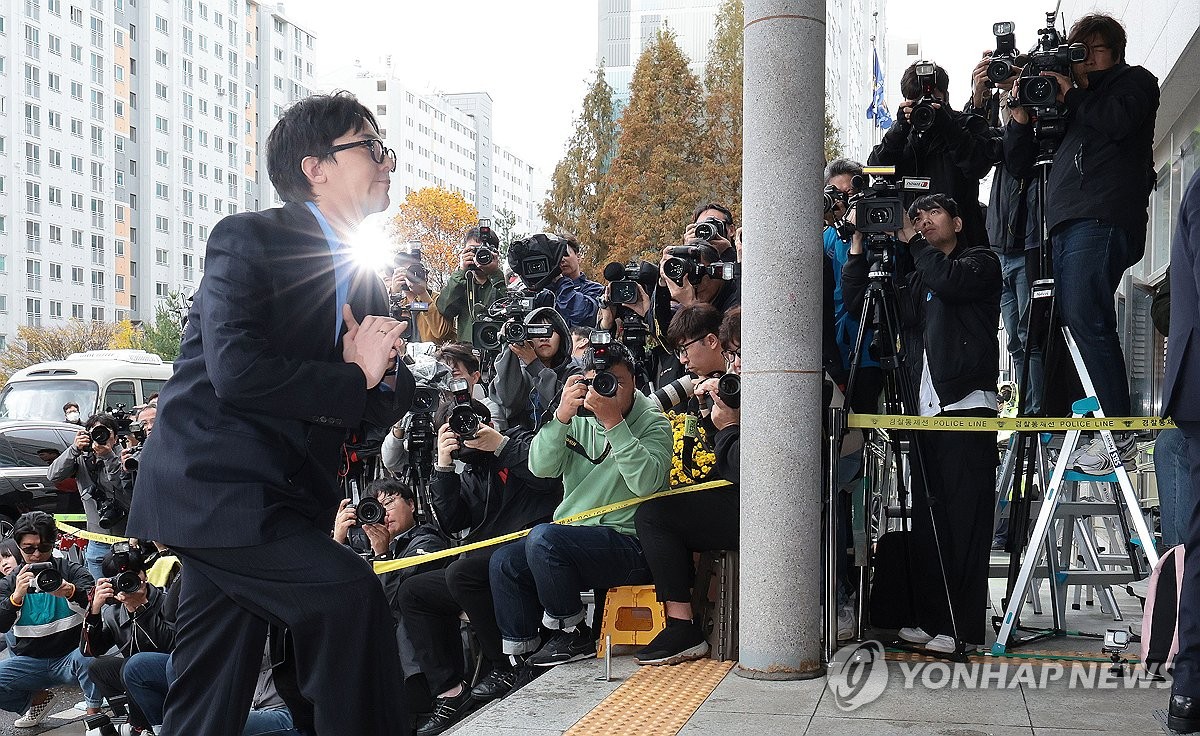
x,y
46,624
1097,195
288,348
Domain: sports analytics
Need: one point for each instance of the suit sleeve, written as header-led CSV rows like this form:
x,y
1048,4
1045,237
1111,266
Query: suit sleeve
x,y
246,370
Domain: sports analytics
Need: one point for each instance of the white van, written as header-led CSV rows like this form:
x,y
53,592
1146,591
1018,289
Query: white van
x,y
96,380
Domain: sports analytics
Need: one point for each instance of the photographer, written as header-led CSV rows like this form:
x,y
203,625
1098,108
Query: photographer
x,y
622,451
96,467
141,620
576,297
1099,186
397,535
671,529
410,285
949,302
495,494
530,374
693,340
955,152
42,603
472,288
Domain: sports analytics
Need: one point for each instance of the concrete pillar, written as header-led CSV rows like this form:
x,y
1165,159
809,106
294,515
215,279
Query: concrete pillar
x,y
783,158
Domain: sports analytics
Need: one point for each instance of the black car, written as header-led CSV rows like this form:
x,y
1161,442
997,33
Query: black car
x,y
27,448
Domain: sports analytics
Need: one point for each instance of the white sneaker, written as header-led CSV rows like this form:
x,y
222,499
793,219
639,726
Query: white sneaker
x,y
845,623
914,635
945,644
1093,458
36,714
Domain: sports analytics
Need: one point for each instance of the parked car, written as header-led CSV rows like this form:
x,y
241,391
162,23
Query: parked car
x,y
26,450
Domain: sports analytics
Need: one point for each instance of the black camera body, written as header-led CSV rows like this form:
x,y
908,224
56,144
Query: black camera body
x,y
463,420
711,227
506,320
484,253
832,196
132,459
923,114
46,577
421,434
536,259
1051,55
624,279
729,390
687,262
600,355
369,510
1006,56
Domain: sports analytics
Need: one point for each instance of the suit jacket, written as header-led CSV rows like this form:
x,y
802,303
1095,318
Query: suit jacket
x,y
1181,396
247,444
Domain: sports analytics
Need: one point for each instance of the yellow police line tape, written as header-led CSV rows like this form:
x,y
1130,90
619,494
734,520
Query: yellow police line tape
x,y
391,565
1017,424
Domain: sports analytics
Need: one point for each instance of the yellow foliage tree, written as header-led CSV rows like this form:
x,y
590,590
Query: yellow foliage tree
x,y
124,335
40,344
436,218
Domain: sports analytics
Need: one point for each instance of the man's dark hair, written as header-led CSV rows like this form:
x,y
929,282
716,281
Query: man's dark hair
x,y
572,241
477,235
731,329
713,206
461,352
582,331
841,166
908,81
105,419
1108,28
309,128
391,487
68,405
931,201
616,354
35,522
693,322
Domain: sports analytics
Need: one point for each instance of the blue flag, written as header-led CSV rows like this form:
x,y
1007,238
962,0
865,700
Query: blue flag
x,y
877,110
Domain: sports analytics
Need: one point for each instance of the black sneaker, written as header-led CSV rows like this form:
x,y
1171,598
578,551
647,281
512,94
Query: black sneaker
x,y
446,712
678,642
565,647
495,685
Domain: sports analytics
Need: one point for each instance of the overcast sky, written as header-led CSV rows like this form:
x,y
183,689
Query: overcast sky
x,y
535,57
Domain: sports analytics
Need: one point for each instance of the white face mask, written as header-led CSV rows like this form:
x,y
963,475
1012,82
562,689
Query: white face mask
x,y
72,416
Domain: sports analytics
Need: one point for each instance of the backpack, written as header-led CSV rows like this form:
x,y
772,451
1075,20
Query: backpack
x,y
1160,615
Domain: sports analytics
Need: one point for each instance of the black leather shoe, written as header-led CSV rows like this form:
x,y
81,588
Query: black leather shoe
x,y
495,685
446,712
1183,714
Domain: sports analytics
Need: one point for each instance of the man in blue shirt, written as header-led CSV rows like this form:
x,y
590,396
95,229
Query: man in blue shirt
x,y
576,297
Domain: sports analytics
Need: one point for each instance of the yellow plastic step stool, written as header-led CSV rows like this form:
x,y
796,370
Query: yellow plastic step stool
x,y
632,615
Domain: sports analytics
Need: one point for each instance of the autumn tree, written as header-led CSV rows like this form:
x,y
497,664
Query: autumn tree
x,y
163,335
437,219
723,109
579,187
504,224
656,177
40,344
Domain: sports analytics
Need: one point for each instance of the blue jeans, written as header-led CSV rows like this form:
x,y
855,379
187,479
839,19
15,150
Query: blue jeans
x,y
21,677
1176,497
538,578
93,557
1090,256
147,677
1014,309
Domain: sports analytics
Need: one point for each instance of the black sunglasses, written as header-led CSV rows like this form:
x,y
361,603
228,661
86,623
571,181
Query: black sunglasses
x,y
378,151
30,549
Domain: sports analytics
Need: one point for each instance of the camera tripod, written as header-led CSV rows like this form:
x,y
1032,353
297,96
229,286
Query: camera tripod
x,y
880,312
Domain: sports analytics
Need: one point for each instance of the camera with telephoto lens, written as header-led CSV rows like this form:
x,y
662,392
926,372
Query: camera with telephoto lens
x,y
1051,55
729,390
46,578
600,356
132,459
623,280
687,262
484,253
711,227
463,420
1006,56
923,114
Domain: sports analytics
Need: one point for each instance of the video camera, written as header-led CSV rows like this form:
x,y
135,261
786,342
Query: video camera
x,y
506,320
485,252
878,206
687,262
1051,54
536,259
924,114
623,280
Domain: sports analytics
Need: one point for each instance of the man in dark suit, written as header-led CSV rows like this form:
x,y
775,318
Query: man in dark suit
x,y
1181,401
240,474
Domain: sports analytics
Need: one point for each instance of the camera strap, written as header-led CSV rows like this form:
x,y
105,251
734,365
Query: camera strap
x,y
576,446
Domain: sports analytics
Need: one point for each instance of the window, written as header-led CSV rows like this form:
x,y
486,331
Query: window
x,y
77,242
54,82
161,290
77,127
160,157
33,84
76,90
77,275
33,275
55,7
55,309
161,190
160,57
98,316
77,309
97,288
97,69
56,235
33,198
119,283
98,250
56,272
160,90
33,312
77,15
160,124
160,256
77,164
160,24
76,53
189,271
55,118
97,32
54,196
162,224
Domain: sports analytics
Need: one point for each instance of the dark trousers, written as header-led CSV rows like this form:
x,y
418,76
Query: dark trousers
x,y
430,603
960,468
673,527
345,662
106,674
1187,661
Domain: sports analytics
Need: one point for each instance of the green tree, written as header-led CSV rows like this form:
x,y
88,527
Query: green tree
x,y
656,177
579,188
722,150
163,335
833,137
40,344
504,224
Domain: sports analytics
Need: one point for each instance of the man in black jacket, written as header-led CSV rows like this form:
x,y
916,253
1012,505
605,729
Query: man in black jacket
x,y
950,304
955,153
1097,194
496,494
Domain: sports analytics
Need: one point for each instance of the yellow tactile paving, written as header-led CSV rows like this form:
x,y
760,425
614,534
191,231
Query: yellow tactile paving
x,y
654,700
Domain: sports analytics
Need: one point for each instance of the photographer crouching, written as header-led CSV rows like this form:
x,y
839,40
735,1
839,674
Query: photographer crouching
x,y
950,302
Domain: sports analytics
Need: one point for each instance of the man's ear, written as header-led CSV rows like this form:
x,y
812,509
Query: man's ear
x,y
313,168
958,224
